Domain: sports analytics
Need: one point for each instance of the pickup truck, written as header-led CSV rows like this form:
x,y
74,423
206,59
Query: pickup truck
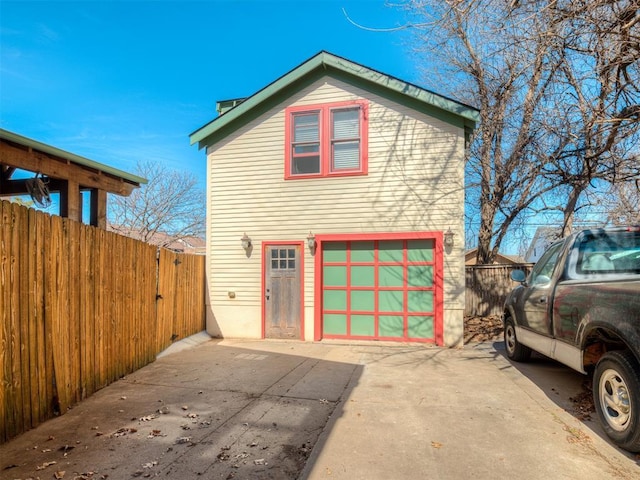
x,y
580,305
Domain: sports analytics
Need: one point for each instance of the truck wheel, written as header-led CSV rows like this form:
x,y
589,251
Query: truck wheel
x,y
616,394
515,350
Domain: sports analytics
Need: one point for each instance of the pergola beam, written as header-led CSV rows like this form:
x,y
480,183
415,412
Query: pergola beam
x,y
62,172
15,156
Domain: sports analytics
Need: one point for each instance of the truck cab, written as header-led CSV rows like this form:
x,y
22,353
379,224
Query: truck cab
x,y
580,305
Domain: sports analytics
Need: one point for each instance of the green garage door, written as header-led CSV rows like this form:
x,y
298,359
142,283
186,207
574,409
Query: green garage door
x,y
380,290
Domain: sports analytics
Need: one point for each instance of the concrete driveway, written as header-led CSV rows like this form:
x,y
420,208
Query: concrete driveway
x,y
283,410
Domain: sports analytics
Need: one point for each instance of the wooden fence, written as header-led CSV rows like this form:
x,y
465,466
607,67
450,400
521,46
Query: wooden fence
x,y
80,308
487,287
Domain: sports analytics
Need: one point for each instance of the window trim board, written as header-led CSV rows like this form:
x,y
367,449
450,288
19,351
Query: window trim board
x,y
326,138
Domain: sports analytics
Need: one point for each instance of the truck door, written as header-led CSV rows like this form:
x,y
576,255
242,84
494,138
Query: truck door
x,y
536,297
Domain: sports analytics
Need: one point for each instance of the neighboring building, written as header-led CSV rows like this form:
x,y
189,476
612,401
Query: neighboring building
x,y
542,238
58,171
189,244
470,258
328,195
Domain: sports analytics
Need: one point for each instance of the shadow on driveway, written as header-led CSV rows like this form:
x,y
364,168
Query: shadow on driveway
x,y
213,411
568,389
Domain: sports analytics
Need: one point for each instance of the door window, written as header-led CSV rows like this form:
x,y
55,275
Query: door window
x,y
543,270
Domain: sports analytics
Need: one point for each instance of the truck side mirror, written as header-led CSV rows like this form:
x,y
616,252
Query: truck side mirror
x,y
518,276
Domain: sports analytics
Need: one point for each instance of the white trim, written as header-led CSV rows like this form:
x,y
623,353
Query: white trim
x,y
557,350
570,355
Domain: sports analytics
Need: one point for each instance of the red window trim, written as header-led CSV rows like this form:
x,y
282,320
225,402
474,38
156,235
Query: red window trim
x,y
326,145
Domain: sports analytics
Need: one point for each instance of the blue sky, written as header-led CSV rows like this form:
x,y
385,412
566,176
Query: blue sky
x,y
125,81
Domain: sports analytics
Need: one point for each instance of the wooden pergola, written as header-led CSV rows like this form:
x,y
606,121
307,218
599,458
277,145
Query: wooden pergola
x,y
62,172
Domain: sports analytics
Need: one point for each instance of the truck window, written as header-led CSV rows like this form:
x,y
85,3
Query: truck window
x,y
543,270
609,253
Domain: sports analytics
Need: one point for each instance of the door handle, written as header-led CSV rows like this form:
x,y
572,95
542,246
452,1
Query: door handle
x,y
542,300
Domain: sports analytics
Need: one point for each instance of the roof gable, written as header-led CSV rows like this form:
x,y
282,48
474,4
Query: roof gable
x,y
325,63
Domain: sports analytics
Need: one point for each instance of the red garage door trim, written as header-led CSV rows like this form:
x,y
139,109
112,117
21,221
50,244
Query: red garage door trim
x,y
437,237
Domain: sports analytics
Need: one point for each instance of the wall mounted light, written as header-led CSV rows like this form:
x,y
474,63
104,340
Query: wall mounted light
x,y
311,242
448,238
245,242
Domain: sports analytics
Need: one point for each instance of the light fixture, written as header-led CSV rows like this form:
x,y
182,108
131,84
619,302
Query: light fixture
x,y
448,238
245,241
311,241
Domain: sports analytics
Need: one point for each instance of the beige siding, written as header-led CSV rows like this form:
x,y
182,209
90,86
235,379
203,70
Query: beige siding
x,y
415,183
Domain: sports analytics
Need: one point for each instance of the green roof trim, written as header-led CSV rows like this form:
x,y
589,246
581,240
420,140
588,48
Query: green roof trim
x,y
325,63
72,157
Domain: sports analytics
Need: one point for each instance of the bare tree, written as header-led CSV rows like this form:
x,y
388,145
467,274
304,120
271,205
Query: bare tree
x,y
593,125
556,83
498,55
169,207
623,203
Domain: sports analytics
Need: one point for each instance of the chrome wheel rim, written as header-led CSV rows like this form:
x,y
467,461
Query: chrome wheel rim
x,y
510,338
614,400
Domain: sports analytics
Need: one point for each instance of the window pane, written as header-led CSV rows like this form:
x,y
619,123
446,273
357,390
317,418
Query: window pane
x,y
306,148
291,253
335,252
335,276
362,251
362,276
420,250
334,324
363,300
305,165
346,124
391,251
292,264
346,156
274,264
335,300
364,325
420,275
420,301
421,327
305,128
391,276
391,326
283,264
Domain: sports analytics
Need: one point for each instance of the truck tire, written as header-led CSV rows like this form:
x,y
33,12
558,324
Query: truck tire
x,y
616,395
515,350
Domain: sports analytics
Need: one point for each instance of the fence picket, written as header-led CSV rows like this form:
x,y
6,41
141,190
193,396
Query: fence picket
x,y
487,287
78,310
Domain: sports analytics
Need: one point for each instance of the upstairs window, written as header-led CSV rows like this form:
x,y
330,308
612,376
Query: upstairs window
x,y
326,140
305,147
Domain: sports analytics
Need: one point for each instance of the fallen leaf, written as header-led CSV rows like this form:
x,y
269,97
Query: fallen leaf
x,y
59,475
436,444
45,465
